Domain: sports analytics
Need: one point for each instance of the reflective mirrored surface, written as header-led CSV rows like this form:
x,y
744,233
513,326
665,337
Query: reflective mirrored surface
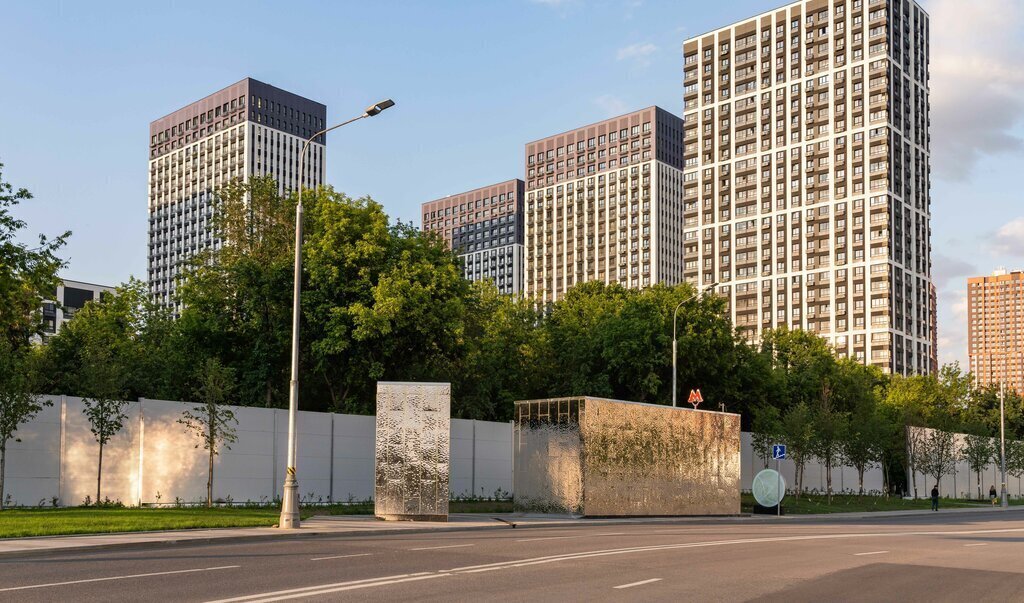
x,y
598,457
412,450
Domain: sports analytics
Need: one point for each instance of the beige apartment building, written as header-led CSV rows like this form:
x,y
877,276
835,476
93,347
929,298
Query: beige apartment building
x,y
806,175
604,202
995,328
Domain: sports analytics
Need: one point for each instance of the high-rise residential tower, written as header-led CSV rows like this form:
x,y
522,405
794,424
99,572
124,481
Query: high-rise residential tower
x,y
995,328
247,129
807,174
604,202
485,227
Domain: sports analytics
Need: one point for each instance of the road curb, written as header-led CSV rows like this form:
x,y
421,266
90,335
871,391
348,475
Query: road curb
x,y
499,525
319,533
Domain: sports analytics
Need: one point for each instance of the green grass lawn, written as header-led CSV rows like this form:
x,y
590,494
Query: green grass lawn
x,y
22,522
858,504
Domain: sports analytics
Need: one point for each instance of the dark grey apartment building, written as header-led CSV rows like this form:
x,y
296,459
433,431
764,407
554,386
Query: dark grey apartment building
x,y
247,129
485,227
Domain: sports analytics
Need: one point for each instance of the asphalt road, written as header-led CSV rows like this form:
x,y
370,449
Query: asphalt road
x,y
956,557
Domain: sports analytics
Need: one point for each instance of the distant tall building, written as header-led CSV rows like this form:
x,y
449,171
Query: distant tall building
x,y
995,328
249,128
485,227
70,297
604,202
807,174
933,316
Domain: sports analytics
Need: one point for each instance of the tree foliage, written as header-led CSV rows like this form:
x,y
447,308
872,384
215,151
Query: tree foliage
x,y
211,423
18,403
27,274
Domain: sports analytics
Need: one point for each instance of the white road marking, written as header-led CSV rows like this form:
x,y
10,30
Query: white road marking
x,y
448,546
977,544
323,589
871,553
566,537
640,583
385,580
87,580
340,556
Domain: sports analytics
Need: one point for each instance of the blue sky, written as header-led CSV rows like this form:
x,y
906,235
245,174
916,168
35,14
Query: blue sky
x,y
473,81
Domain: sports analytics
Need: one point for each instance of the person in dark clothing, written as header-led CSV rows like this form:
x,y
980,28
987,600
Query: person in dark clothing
x,y
935,498
992,493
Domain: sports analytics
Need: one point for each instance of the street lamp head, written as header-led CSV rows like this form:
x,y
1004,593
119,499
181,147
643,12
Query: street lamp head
x,y
377,108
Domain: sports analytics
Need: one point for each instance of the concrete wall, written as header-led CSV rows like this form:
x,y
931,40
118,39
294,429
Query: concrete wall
x,y
154,460
154,455
962,482
843,478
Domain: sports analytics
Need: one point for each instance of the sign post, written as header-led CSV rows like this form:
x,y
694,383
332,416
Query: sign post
x,y
778,453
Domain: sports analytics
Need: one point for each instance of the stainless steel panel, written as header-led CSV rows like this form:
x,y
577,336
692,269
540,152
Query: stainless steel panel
x,y
598,457
412,448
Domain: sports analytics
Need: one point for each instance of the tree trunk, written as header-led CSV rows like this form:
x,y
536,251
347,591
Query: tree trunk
x,y
828,480
860,480
3,464
99,474
978,472
209,482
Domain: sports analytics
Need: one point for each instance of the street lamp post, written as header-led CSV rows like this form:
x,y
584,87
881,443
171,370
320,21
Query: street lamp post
x,y
1003,500
675,343
290,499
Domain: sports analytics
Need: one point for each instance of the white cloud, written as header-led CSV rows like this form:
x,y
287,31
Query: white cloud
x,y
947,269
953,327
977,82
555,3
611,105
638,52
1009,239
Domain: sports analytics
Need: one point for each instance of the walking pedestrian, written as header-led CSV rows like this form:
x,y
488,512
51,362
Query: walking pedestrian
x,y
992,494
935,498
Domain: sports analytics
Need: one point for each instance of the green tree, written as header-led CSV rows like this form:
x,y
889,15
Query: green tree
x,y
830,426
105,404
238,297
504,358
27,274
978,451
797,430
907,402
211,423
801,362
938,453
140,337
765,431
18,404
384,301
1014,457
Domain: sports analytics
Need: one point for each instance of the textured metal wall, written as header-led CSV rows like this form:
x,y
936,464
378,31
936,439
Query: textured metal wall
x,y
412,448
597,457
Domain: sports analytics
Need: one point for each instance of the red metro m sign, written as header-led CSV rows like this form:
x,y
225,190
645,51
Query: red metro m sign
x,y
695,398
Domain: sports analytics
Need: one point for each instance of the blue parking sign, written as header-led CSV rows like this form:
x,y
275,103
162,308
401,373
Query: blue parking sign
x,y
778,451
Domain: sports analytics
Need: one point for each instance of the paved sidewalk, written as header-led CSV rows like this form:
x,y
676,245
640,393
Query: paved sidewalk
x,y
359,525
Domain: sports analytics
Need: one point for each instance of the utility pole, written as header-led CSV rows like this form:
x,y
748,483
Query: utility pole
x,y
1003,500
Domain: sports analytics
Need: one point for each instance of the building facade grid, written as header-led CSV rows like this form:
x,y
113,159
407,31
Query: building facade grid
x,y
247,129
807,177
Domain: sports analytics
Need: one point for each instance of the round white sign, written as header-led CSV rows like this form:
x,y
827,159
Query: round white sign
x,y
769,488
